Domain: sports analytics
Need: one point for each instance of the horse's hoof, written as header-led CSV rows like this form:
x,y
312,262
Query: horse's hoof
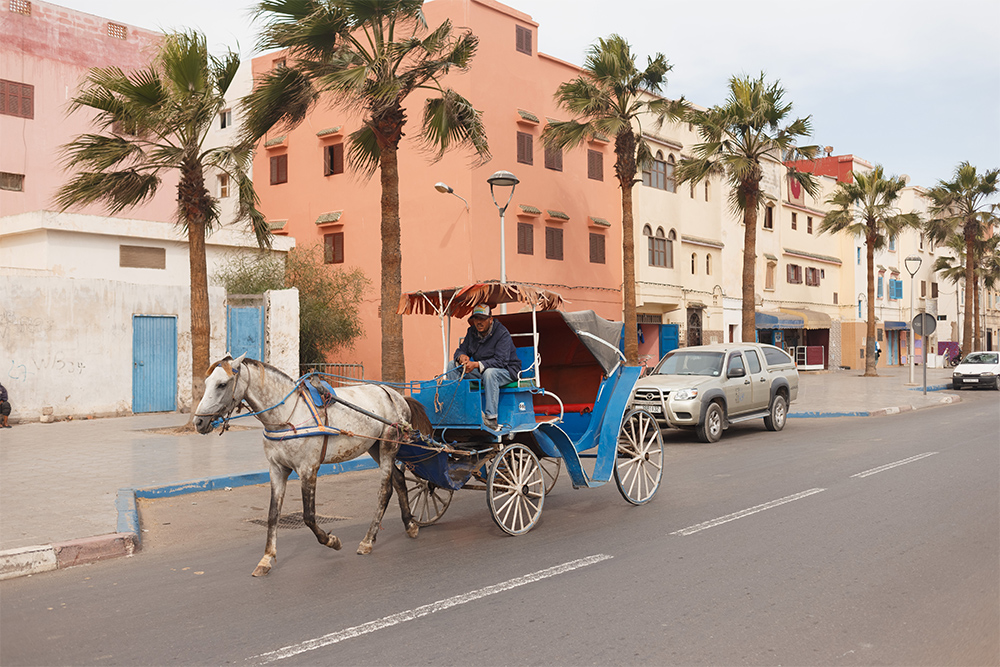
x,y
412,529
334,543
364,549
261,570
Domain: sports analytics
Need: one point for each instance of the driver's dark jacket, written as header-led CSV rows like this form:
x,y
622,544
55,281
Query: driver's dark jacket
x,y
495,350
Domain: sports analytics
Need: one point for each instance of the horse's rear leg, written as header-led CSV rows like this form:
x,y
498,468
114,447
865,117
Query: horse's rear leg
x,y
309,511
386,462
399,484
279,478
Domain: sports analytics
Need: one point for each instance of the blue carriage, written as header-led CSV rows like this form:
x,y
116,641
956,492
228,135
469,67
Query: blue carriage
x,y
567,407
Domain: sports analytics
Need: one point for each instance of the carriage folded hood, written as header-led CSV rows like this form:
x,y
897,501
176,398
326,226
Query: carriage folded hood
x,y
589,322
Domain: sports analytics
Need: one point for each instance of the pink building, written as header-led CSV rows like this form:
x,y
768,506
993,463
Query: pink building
x,y
563,226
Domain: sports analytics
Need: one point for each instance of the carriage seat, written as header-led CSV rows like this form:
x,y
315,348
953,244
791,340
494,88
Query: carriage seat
x,y
526,377
581,408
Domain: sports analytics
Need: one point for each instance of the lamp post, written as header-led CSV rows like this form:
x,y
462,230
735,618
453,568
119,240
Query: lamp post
x,y
912,264
446,189
502,179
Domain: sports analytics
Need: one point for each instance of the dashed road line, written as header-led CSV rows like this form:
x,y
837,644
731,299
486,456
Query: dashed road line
x,y
425,610
690,530
889,466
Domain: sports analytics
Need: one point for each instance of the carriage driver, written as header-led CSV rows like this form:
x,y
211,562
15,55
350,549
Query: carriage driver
x,y
488,351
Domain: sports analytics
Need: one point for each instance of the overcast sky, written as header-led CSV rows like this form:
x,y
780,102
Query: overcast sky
x,y
913,85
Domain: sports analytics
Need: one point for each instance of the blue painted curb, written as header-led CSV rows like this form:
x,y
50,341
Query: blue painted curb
x,y
128,514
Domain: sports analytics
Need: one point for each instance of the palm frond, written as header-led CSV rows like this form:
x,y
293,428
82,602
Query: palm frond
x,y
451,119
116,190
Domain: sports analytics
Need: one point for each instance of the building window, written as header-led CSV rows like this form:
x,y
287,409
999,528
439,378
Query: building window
x,y
694,263
333,248
225,119
708,264
859,256
934,292
333,159
691,189
809,224
708,191
553,158
769,276
279,169
523,39
17,99
596,248
794,274
768,217
655,176
879,288
895,289
671,166
795,220
923,289
892,244
671,237
278,62
553,243
657,246
836,299
223,186
20,7
595,165
141,257
117,30
812,277
525,238
12,182
525,148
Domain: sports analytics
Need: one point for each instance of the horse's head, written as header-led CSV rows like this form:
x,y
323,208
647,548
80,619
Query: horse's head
x,y
222,392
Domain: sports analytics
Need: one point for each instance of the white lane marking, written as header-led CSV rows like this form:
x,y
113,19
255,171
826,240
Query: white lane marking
x,y
690,530
889,466
425,610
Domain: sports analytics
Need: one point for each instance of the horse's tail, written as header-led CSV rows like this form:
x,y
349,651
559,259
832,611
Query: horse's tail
x,y
418,416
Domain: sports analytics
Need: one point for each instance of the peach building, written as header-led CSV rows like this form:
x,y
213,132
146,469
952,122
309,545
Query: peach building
x,y
562,226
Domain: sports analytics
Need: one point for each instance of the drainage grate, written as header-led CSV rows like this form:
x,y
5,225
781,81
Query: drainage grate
x,y
294,520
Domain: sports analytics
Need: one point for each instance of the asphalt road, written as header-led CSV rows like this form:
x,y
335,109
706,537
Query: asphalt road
x,y
852,541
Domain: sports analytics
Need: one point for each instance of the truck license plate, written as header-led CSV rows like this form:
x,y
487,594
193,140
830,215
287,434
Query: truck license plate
x,y
657,409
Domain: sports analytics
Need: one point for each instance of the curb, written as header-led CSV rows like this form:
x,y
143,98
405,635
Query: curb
x,y
26,561
881,412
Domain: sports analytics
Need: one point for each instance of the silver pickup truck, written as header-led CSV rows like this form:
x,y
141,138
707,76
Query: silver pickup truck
x,y
709,387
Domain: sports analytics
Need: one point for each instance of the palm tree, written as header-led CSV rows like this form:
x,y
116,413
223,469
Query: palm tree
x,y
154,121
609,97
987,250
955,209
738,136
866,208
369,57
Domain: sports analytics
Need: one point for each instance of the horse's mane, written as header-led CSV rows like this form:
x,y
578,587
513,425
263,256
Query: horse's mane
x,y
269,367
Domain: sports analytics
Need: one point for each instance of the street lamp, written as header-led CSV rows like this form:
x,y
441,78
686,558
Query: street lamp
x,y
445,188
502,179
912,264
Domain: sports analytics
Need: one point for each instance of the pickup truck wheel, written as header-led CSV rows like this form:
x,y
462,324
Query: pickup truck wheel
x,y
775,421
710,430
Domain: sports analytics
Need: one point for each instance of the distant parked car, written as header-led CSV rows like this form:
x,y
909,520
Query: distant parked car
x,y
708,387
978,369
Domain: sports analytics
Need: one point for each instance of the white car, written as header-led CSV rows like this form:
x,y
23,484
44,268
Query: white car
x,y
978,369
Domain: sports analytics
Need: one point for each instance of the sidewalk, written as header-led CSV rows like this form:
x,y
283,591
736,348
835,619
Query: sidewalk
x,y
60,503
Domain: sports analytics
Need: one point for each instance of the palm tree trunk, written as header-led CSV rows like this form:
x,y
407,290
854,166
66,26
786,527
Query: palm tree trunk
x,y
628,278
871,358
193,201
970,286
393,364
978,338
749,321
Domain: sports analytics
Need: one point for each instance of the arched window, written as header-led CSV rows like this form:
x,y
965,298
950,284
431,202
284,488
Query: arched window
x,y
694,263
657,248
671,237
671,167
655,176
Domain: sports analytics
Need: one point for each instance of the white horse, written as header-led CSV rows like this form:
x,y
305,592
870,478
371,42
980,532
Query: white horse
x,y
300,435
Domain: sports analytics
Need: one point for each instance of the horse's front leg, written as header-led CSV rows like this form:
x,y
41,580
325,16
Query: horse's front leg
x,y
309,510
386,463
279,478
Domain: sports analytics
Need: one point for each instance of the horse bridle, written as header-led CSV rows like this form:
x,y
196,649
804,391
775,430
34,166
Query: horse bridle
x,y
228,395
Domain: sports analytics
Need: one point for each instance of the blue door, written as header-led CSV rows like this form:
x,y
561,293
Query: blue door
x,y
154,363
670,338
245,331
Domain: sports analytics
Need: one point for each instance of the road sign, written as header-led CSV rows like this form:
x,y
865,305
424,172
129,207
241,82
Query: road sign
x,y
924,324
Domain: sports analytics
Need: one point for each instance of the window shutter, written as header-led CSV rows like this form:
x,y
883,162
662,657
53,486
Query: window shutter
x,y
523,40
553,243
333,248
525,238
337,152
279,169
553,158
596,248
595,165
790,273
525,148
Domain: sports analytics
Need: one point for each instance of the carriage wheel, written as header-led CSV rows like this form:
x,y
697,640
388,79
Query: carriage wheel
x,y
639,463
550,471
516,490
428,501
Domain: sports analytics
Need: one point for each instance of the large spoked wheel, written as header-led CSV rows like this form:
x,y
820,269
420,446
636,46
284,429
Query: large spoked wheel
x,y
639,461
550,471
428,501
515,490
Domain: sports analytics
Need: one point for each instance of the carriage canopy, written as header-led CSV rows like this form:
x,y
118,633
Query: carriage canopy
x,y
459,301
